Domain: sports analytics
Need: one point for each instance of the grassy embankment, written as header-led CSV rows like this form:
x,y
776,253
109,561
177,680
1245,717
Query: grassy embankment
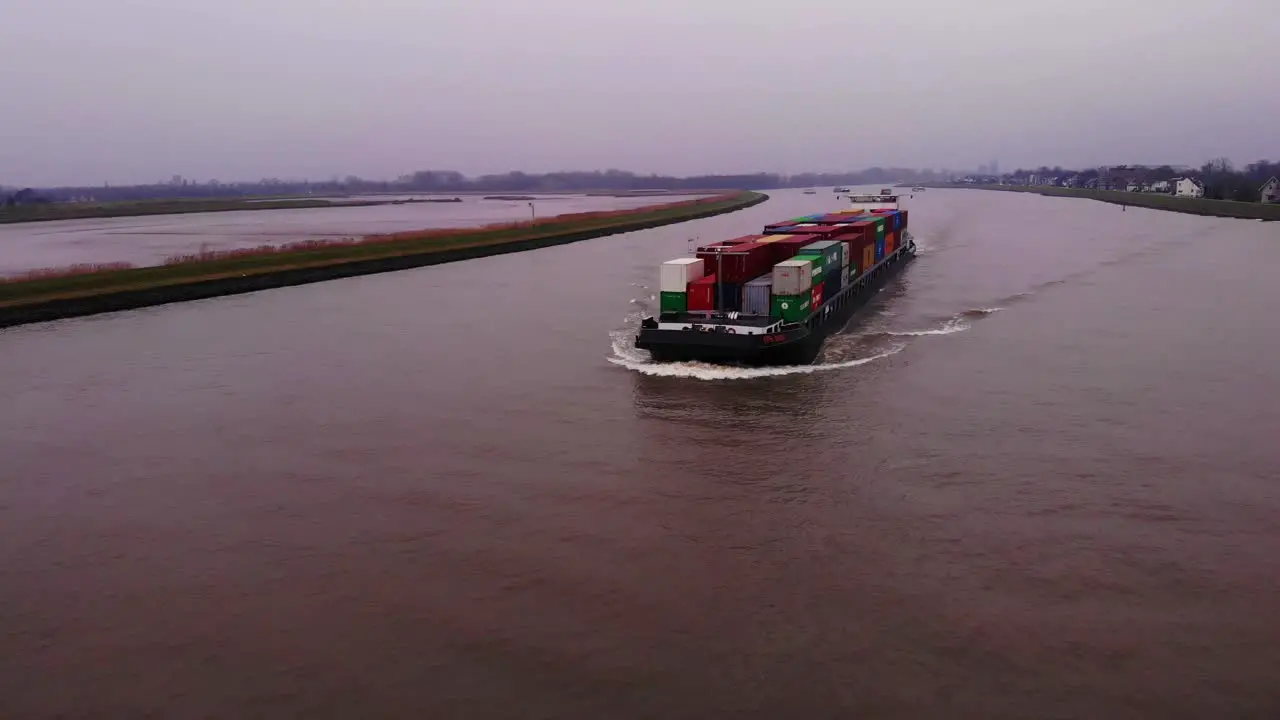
x,y
89,210
83,290
1153,201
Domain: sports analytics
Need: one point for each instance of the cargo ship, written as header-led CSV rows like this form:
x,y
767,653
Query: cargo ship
x,y
774,298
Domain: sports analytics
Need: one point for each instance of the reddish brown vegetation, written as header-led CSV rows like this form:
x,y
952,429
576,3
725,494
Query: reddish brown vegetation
x,y
66,271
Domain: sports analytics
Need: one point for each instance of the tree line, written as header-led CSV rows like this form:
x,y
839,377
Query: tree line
x,y
449,181
1221,179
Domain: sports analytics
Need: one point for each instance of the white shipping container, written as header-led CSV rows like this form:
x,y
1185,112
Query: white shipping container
x,y
793,277
755,296
845,277
677,274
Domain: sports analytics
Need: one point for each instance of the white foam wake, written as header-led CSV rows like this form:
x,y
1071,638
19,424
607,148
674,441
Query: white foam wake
x,y
951,327
631,358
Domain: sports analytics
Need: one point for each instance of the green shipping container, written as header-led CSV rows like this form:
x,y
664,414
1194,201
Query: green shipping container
x,y
832,252
819,265
673,302
792,308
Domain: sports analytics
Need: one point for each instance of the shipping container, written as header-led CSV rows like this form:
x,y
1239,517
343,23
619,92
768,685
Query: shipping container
x,y
792,308
904,219
744,240
673,302
788,245
793,277
878,223
831,285
819,261
676,275
832,252
729,297
702,293
879,248
817,296
755,295
846,276
868,256
773,238
738,263
852,246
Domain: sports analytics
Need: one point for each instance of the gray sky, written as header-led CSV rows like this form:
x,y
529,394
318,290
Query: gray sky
x,y
138,90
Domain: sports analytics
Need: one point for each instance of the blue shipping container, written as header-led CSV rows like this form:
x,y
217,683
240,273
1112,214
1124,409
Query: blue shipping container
x,y
879,249
728,298
755,295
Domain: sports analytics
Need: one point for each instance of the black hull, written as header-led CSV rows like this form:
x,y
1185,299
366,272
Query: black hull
x,y
796,344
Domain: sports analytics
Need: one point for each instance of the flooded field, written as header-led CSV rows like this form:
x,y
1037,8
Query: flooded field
x,y
149,240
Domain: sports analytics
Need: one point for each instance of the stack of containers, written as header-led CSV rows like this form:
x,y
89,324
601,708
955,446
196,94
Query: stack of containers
x,y
673,283
793,287
830,253
879,222
735,265
819,232
863,246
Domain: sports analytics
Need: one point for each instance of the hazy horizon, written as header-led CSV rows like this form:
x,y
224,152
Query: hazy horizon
x,y
283,88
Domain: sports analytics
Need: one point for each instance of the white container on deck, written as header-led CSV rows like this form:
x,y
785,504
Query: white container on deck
x,y
677,274
793,277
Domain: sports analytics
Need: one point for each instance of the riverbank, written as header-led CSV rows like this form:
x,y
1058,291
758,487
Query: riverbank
x,y
46,212
1152,201
52,296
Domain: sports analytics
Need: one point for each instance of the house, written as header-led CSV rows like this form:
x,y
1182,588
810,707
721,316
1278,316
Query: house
x,y
1188,187
1134,186
1270,192
1161,186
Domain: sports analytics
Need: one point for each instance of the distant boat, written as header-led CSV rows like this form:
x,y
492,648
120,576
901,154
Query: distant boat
x,y
845,189
917,189
810,191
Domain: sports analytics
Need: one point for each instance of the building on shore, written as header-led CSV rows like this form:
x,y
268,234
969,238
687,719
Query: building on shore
x,y
1188,187
1270,191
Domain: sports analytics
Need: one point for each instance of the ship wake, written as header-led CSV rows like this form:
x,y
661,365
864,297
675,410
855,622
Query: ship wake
x,y
631,358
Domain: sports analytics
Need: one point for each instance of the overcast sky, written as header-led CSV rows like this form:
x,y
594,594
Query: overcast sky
x,y
138,90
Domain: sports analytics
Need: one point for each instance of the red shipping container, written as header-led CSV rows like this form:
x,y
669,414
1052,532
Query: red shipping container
x,y
744,240
738,263
702,293
817,296
787,248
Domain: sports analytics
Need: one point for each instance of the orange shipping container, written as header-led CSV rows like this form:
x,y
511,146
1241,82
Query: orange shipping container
x,y
890,242
868,257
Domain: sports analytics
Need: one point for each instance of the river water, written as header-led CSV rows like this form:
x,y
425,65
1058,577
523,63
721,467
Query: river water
x,y
1039,479
149,240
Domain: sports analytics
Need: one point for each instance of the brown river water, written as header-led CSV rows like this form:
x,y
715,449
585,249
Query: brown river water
x,y
1038,478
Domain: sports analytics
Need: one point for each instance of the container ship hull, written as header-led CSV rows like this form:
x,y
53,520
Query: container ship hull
x,y
721,332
